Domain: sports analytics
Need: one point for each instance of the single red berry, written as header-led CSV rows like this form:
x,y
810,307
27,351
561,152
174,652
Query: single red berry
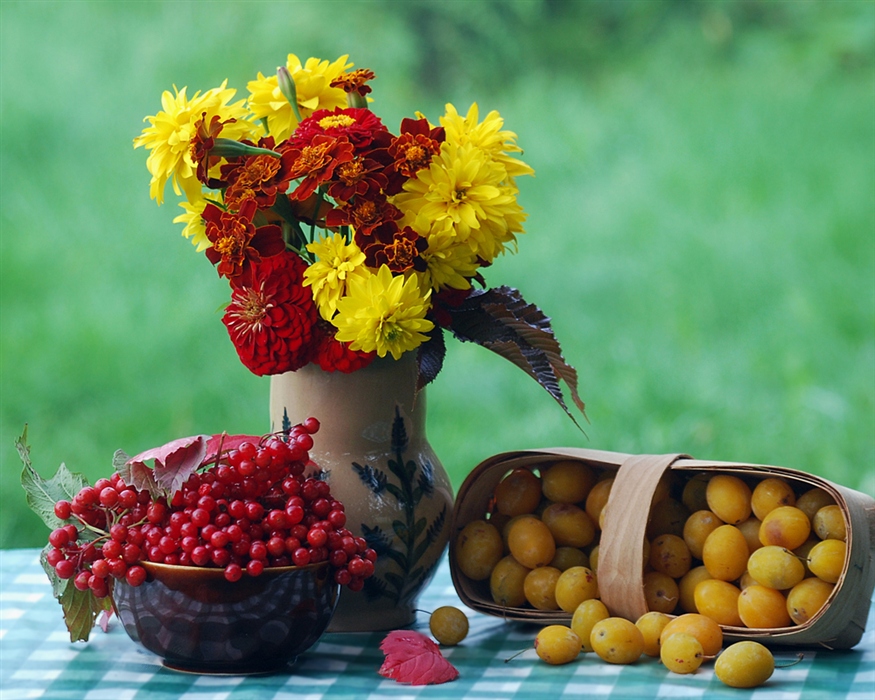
x,y
233,572
317,537
247,449
53,556
311,425
254,567
100,568
305,442
342,576
127,498
112,549
81,580
63,510
258,550
119,533
356,584
117,568
65,569
200,555
276,546
301,556
108,497
135,576
220,557
131,553
156,512
59,538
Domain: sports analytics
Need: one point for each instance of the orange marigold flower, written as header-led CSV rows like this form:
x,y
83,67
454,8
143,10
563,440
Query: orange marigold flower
x,y
354,81
316,162
259,177
363,214
236,242
398,249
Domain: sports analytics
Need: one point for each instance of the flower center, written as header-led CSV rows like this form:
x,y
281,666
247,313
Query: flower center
x,y
336,121
350,172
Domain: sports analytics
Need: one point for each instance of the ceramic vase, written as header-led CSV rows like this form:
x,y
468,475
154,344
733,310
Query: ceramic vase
x,y
373,452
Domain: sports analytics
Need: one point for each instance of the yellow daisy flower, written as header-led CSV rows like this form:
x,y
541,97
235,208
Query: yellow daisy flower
x,y
195,229
464,185
337,262
313,88
169,135
383,314
450,263
486,135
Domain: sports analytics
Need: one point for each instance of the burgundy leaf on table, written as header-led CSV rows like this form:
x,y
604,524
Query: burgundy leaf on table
x,y
414,659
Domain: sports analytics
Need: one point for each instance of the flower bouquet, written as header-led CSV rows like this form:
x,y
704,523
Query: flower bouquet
x,y
342,241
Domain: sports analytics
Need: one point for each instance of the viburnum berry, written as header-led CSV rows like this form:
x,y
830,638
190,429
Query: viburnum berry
x,y
63,510
65,569
135,575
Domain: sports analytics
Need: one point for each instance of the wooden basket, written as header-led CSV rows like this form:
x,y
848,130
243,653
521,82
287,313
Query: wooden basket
x,y
838,625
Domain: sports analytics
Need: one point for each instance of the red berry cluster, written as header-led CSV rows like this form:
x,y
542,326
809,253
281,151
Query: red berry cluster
x,y
250,509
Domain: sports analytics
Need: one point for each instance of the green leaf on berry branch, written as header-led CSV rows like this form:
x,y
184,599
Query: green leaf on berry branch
x,y
502,321
81,609
42,494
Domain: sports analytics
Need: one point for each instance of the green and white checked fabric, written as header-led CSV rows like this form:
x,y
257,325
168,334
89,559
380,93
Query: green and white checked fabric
x,y
37,660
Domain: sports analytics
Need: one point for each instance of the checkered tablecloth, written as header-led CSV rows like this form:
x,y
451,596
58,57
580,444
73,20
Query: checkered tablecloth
x,y
37,660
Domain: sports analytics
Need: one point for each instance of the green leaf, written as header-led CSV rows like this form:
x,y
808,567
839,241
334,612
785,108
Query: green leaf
x,y
42,494
58,584
81,609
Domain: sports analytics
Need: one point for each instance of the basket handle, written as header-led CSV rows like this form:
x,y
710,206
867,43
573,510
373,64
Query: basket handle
x,y
621,549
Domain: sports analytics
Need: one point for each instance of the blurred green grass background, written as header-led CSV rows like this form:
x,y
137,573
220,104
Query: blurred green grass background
x,y
701,228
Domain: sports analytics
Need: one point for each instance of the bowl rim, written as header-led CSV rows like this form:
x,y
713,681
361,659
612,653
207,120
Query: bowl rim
x,y
215,571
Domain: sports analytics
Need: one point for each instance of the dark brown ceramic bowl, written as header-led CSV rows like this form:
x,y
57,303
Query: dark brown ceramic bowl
x,y
197,621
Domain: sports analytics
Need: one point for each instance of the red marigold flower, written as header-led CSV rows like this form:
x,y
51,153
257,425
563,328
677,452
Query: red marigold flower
x,y
357,177
237,243
203,140
334,356
360,126
316,162
354,81
386,244
259,177
271,319
363,214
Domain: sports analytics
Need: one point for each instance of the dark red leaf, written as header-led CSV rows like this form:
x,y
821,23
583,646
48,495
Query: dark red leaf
x,y
414,659
175,461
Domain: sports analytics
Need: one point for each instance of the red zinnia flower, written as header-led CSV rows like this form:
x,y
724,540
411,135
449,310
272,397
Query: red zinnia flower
x,y
358,125
334,356
271,319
